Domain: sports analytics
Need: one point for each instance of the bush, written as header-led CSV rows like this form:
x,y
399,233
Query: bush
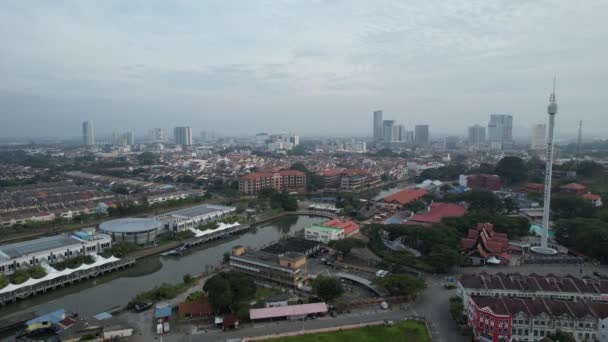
x,y
22,275
119,250
73,263
3,281
163,292
194,296
209,225
327,288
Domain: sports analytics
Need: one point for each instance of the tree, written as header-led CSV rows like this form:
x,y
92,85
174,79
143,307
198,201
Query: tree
x,y
313,181
219,293
561,336
226,291
147,158
120,189
442,259
401,284
568,206
327,288
415,206
511,170
457,310
588,235
186,179
588,168
345,245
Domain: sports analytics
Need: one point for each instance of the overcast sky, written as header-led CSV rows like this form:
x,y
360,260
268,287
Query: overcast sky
x,y
308,67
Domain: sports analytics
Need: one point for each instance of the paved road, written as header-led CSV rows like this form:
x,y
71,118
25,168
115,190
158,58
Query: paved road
x,y
432,303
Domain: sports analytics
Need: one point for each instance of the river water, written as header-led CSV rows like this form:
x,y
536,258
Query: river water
x,y
117,288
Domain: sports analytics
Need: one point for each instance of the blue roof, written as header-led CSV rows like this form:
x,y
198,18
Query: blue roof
x,y
53,317
82,235
162,311
102,316
394,220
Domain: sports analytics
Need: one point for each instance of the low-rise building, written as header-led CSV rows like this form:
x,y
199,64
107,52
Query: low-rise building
x,y
484,182
438,211
286,270
348,226
483,245
288,180
322,233
184,219
405,196
22,255
499,319
532,286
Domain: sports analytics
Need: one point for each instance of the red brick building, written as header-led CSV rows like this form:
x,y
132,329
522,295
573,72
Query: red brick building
x,y
288,180
484,182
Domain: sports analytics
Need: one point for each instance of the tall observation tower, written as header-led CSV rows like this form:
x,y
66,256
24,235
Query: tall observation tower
x,y
552,110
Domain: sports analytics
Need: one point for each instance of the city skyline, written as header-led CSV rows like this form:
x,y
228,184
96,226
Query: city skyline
x,y
418,62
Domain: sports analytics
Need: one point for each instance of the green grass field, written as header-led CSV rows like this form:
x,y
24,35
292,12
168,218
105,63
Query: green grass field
x,y
408,331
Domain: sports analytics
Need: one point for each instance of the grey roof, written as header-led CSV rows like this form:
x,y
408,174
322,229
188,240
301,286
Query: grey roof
x,y
130,225
20,249
199,210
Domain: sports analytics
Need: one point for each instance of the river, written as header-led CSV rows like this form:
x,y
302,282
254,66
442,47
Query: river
x,y
94,296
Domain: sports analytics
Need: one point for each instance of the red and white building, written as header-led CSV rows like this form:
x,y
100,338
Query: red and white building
x,y
489,322
288,180
349,227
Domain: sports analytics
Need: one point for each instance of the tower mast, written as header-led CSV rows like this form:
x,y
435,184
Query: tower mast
x,y
551,110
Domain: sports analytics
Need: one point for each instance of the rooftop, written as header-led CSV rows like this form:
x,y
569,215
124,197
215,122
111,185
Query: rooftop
x,y
20,249
130,225
200,210
439,211
405,196
286,311
291,244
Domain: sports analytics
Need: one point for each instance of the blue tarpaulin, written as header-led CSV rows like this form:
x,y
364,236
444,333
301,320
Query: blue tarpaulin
x,y
102,316
162,311
53,317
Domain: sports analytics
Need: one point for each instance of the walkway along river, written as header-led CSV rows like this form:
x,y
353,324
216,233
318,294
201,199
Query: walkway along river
x,y
96,295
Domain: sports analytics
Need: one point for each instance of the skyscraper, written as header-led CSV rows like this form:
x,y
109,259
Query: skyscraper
x,y
88,135
500,130
182,136
387,130
409,137
421,136
156,135
538,140
477,135
400,133
378,125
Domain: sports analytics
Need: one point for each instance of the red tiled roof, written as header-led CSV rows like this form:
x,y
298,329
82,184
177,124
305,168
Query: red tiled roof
x,y
331,172
199,307
405,196
535,187
349,226
257,175
573,186
440,211
591,197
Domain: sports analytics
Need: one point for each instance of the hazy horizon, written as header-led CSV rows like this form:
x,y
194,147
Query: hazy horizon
x,y
311,68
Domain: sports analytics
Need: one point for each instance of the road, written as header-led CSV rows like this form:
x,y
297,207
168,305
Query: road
x,y
432,304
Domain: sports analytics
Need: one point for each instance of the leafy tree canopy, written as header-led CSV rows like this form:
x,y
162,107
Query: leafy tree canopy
x,y
327,288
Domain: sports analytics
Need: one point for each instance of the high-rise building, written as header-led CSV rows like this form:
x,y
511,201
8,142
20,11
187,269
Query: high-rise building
x,y
500,130
409,137
129,138
88,134
400,133
387,130
538,141
183,136
156,135
378,130
295,140
421,136
477,135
